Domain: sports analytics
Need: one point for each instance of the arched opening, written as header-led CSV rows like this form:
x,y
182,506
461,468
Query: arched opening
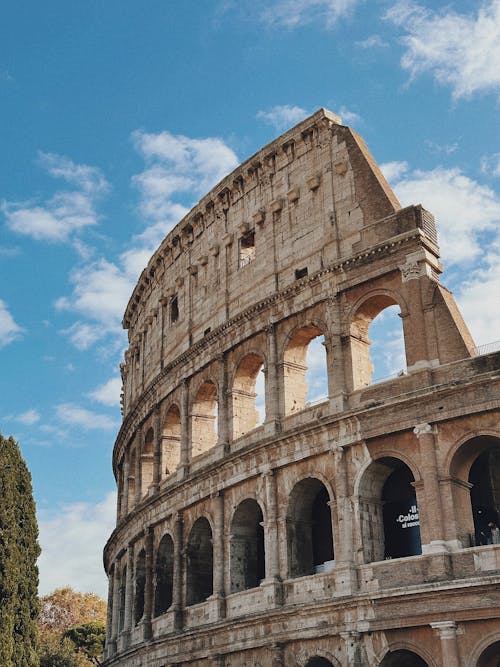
x,y
123,597
317,661
376,341
402,658
164,575
490,657
147,459
199,562
171,442
204,419
245,398
247,547
131,480
140,586
389,516
484,478
305,369
475,490
309,529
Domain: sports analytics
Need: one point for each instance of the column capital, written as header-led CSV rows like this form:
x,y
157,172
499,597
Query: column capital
x,y
445,629
424,429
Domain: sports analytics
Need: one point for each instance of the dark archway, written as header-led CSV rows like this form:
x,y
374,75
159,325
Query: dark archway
x,y
309,529
400,514
317,661
164,575
490,657
484,477
199,562
140,585
247,546
403,658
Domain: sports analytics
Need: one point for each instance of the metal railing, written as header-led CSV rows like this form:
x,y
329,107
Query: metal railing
x,y
486,349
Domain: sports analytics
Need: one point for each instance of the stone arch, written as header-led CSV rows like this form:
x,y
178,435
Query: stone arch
x,y
245,416
147,461
386,495
362,314
140,585
404,657
306,658
247,552
199,562
487,652
294,358
164,575
171,441
475,474
309,528
204,417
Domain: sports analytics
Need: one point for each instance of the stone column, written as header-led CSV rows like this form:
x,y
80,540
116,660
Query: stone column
x,y
185,429
345,575
274,391
272,582
115,614
433,530
278,655
129,595
177,605
126,475
219,594
447,631
148,590
110,646
119,492
337,390
138,467
352,649
157,464
223,426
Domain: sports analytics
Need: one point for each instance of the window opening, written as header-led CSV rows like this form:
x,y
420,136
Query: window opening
x,y
248,395
309,529
174,310
305,369
247,547
171,442
199,562
140,586
204,419
300,273
247,248
164,575
485,496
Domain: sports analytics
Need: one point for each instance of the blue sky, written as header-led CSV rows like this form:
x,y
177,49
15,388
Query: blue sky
x,y
117,116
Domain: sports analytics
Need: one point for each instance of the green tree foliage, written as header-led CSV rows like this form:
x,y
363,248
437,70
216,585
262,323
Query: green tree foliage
x,y
67,613
19,551
89,640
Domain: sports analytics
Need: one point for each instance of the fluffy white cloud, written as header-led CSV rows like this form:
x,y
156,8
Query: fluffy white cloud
x,y
460,50
490,164
349,117
64,214
283,116
371,42
9,330
393,171
464,209
72,541
74,415
29,417
295,13
108,393
478,297
101,292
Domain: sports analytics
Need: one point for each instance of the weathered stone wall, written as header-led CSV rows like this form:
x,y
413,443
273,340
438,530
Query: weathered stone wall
x,y
227,294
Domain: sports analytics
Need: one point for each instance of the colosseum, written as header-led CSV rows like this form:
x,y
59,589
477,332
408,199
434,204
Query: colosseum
x,y
259,527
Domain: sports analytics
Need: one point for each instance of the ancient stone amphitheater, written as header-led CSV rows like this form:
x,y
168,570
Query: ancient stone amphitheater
x,y
356,530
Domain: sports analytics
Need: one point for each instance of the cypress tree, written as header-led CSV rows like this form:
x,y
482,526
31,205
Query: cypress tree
x,y
19,551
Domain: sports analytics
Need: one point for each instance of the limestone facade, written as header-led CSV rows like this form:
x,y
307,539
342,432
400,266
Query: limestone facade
x,y
355,531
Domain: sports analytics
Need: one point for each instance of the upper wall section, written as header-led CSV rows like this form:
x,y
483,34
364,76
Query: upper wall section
x,y
301,203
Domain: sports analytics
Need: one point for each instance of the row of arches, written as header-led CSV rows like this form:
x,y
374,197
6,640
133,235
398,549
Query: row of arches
x,y
304,378
389,521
